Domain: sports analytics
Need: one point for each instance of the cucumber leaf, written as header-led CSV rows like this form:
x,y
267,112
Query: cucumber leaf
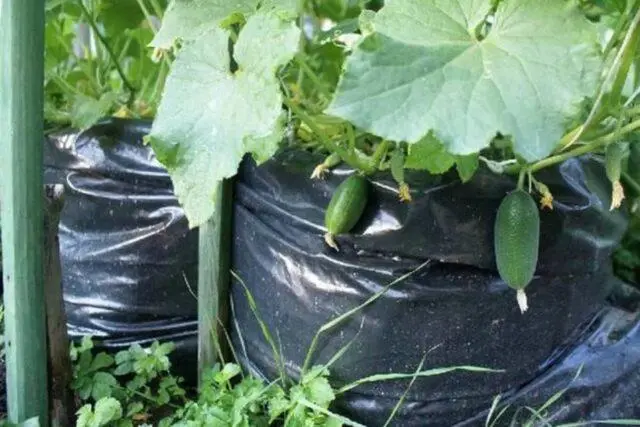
x,y
210,117
189,19
426,69
467,166
429,154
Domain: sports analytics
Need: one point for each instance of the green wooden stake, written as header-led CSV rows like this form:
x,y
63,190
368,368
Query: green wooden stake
x,y
213,281
21,113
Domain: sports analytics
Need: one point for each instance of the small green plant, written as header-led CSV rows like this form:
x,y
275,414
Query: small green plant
x,y
106,410
138,379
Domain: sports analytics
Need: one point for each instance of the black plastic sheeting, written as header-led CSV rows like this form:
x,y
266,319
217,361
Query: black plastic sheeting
x,y
130,264
456,310
129,261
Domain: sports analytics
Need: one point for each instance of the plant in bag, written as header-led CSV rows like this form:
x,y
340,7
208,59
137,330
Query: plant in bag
x,y
513,86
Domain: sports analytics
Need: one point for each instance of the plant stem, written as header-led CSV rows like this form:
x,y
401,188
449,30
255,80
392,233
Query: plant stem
x,y
587,148
579,151
523,174
318,83
147,16
630,45
349,156
612,77
381,151
106,45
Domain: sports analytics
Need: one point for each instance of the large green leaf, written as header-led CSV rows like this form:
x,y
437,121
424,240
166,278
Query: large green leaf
x,y
425,69
210,117
189,19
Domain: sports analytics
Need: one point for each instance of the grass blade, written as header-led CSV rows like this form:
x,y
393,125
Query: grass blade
x,y
536,415
336,321
499,416
561,393
344,348
263,326
494,406
406,392
400,376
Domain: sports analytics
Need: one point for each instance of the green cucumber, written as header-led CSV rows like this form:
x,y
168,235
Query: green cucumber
x,y
614,157
346,207
517,241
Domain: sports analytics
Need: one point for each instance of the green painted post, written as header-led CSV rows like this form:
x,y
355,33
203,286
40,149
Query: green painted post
x,y
21,133
213,281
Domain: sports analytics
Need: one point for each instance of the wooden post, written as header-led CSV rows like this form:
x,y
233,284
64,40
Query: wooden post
x,y
61,399
21,114
213,281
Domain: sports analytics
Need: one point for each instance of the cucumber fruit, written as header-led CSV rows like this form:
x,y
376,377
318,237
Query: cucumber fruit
x,y
517,242
346,207
614,157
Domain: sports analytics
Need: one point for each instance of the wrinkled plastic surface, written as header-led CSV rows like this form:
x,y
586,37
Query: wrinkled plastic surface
x,y
128,257
456,310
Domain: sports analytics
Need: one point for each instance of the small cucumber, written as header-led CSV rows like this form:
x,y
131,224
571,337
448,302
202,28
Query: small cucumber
x,y
517,241
346,207
614,157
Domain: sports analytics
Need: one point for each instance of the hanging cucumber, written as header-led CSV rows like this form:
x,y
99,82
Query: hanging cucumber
x,y
516,242
613,158
346,207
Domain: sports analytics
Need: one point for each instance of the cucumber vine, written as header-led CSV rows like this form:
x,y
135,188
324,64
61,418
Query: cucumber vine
x,y
514,85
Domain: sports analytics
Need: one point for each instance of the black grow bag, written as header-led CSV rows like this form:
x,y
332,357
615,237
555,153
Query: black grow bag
x,y
456,310
128,257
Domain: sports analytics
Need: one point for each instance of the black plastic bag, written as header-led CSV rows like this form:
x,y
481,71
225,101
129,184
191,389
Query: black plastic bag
x,y
129,260
456,311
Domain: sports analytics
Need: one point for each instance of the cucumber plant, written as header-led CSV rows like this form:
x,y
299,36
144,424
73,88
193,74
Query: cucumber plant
x,y
515,86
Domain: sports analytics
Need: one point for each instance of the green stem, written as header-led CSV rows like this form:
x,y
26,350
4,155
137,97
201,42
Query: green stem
x,y
523,174
147,15
65,86
349,156
629,46
579,151
587,148
380,153
617,67
317,82
106,45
